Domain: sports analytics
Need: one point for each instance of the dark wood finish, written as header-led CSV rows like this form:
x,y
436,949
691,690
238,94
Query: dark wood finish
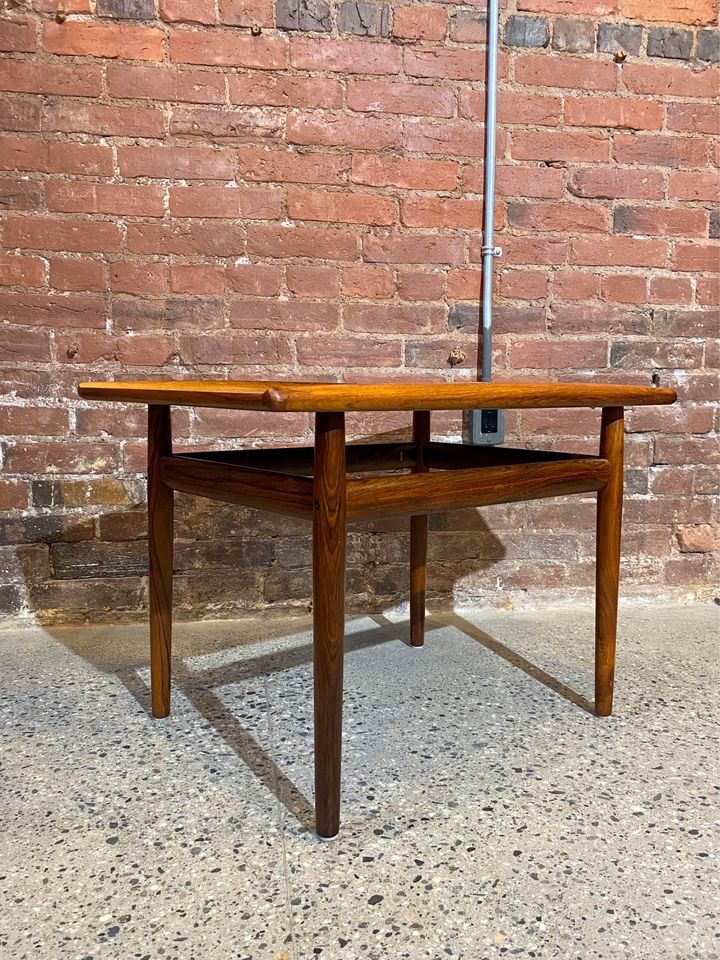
x,y
160,548
329,525
418,537
262,489
607,572
376,497
313,483
328,397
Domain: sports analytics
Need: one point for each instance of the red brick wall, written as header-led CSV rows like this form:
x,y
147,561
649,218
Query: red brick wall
x,y
181,197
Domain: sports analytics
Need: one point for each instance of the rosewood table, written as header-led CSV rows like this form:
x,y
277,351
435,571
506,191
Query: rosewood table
x,y
332,484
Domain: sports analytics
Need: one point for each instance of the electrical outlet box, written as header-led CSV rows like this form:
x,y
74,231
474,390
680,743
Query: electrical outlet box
x,y
487,427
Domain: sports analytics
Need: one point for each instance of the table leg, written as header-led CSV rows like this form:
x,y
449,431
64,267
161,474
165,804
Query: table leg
x,y
418,540
160,549
329,525
607,572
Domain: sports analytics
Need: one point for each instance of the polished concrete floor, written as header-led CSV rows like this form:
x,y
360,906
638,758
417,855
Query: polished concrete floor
x,y
486,812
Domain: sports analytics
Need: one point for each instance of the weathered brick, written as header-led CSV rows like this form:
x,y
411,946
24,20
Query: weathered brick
x,y
362,19
701,538
18,271
443,63
303,15
78,274
420,23
563,71
615,37
670,42
17,36
341,207
246,13
469,26
337,130
618,112
367,282
190,11
87,39
660,150
408,248
714,227
675,11
343,56
708,45
406,173
526,31
182,163
293,167
380,96
573,36
559,146
222,48
610,184
158,83
126,9
285,90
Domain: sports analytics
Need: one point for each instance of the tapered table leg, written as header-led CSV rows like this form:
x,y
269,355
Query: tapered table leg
x,y
418,539
160,546
607,573
329,524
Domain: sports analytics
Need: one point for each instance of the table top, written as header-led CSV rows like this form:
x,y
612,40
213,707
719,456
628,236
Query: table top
x,y
279,395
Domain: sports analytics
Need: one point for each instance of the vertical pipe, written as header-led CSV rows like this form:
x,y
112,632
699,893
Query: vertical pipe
x,y
488,249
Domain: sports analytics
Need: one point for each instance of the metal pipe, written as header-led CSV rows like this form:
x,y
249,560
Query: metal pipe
x,y
489,250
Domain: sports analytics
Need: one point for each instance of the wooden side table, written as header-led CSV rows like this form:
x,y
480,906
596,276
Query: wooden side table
x,y
318,483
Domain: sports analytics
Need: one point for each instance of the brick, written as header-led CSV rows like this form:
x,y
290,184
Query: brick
x,y
72,116
580,318
610,184
416,285
290,166
407,248
405,173
186,239
696,256
33,421
187,11
139,277
33,309
18,271
135,315
687,323
394,319
558,354
341,207
337,130
13,495
64,456
159,83
614,37
361,18
78,274
566,217
670,42
406,98
126,9
545,70
24,346
218,126
333,351
248,203
525,181
322,283
343,56
367,282
180,163
526,31
676,419
575,285
439,212
708,45
272,314
19,114
243,349
683,355
82,196
245,13
701,538
255,279
513,108
559,146
698,185
694,117
573,36
594,8
17,36
664,80
670,290
624,288
464,284
285,90
51,156
87,39
321,243
28,76
614,112
714,226
660,221
676,11
545,249
468,26
618,252
660,150
223,48
459,138
420,23
19,193
707,291
81,235
198,278
303,15
443,63
524,284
